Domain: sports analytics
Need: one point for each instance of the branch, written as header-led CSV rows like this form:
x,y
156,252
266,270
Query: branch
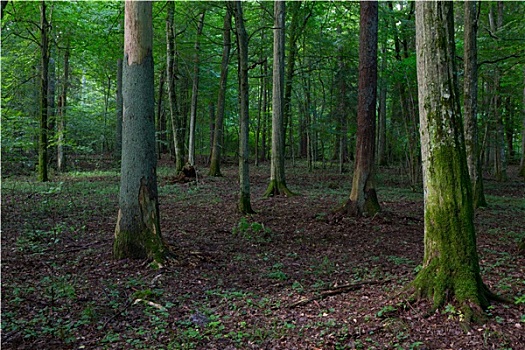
x,y
500,59
339,290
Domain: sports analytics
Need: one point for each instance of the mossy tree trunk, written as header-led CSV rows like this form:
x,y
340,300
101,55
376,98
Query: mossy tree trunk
x,y
363,197
215,162
470,88
277,184
450,266
137,233
244,205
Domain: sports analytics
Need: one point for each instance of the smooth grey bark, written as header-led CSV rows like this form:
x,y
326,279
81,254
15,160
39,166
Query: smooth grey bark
x,y
61,116
244,205
176,118
363,197
43,135
118,112
215,162
195,92
277,184
137,233
470,102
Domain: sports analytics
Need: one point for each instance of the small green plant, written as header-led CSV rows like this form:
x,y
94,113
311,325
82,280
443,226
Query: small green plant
x,y
277,273
385,310
253,230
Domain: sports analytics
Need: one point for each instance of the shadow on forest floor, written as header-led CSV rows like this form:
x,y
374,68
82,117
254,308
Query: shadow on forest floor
x,y
284,278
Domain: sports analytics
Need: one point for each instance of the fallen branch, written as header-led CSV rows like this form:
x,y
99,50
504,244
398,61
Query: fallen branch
x,y
339,290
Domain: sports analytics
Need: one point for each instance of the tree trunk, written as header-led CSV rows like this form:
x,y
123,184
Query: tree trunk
x,y
137,233
61,115
43,136
381,112
244,170
522,162
215,162
176,119
277,184
195,92
470,58
450,266
363,197
119,111
160,117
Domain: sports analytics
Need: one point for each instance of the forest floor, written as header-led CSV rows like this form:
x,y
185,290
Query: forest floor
x,y
288,277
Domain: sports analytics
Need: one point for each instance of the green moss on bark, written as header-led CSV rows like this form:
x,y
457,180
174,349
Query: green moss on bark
x,y
245,206
277,188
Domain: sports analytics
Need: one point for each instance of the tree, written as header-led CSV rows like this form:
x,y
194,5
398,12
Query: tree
x,y
363,197
176,119
215,162
470,58
277,184
195,91
242,57
119,110
43,139
61,115
450,266
137,233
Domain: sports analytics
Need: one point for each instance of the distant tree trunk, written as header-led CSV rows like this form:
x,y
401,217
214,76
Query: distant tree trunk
x,y
119,111
160,116
137,233
51,105
61,115
522,162
264,148
381,111
471,103
244,170
215,162
195,92
277,184
43,138
363,197
451,266
500,161
176,119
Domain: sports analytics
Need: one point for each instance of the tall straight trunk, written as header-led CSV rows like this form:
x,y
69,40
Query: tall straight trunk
x,y
244,169
381,111
160,116
51,105
277,184
500,161
137,233
264,148
450,264
522,162
43,136
176,119
119,112
470,106
363,197
61,116
215,162
195,92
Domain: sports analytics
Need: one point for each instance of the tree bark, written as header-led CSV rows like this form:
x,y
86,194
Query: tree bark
x,y
160,117
176,119
244,169
381,111
470,58
137,233
363,197
195,92
450,266
215,162
61,115
43,136
277,184
119,112
522,162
